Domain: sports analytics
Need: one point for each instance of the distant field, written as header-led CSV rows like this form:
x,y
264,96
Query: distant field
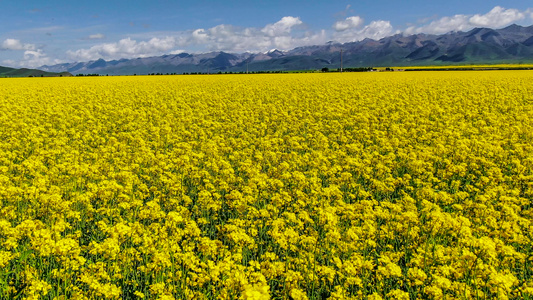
x,y
474,67
399,185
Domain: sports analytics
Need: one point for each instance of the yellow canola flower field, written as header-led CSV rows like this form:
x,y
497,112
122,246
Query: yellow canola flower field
x,y
290,186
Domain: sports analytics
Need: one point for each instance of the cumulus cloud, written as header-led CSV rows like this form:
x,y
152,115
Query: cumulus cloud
x,y
348,23
497,17
442,25
34,59
280,35
13,44
97,36
375,30
125,48
200,35
281,27
32,55
283,34
277,35
230,38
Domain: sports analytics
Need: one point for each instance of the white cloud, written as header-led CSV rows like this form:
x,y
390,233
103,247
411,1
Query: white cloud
x,y
32,57
97,36
375,30
230,38
348,23
443,25
36,58
13,44
125,48
200,35
283,35
497,17
281,27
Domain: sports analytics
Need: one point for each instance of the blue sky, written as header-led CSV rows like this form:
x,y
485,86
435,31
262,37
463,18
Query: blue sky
x,y
35,33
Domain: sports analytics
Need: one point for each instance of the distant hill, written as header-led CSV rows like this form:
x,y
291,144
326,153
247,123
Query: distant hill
x,y
513,44
12,72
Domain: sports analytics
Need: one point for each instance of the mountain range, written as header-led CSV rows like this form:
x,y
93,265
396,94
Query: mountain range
x,y
513,44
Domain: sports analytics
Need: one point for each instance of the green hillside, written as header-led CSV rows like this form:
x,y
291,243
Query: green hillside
x,y
12,72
